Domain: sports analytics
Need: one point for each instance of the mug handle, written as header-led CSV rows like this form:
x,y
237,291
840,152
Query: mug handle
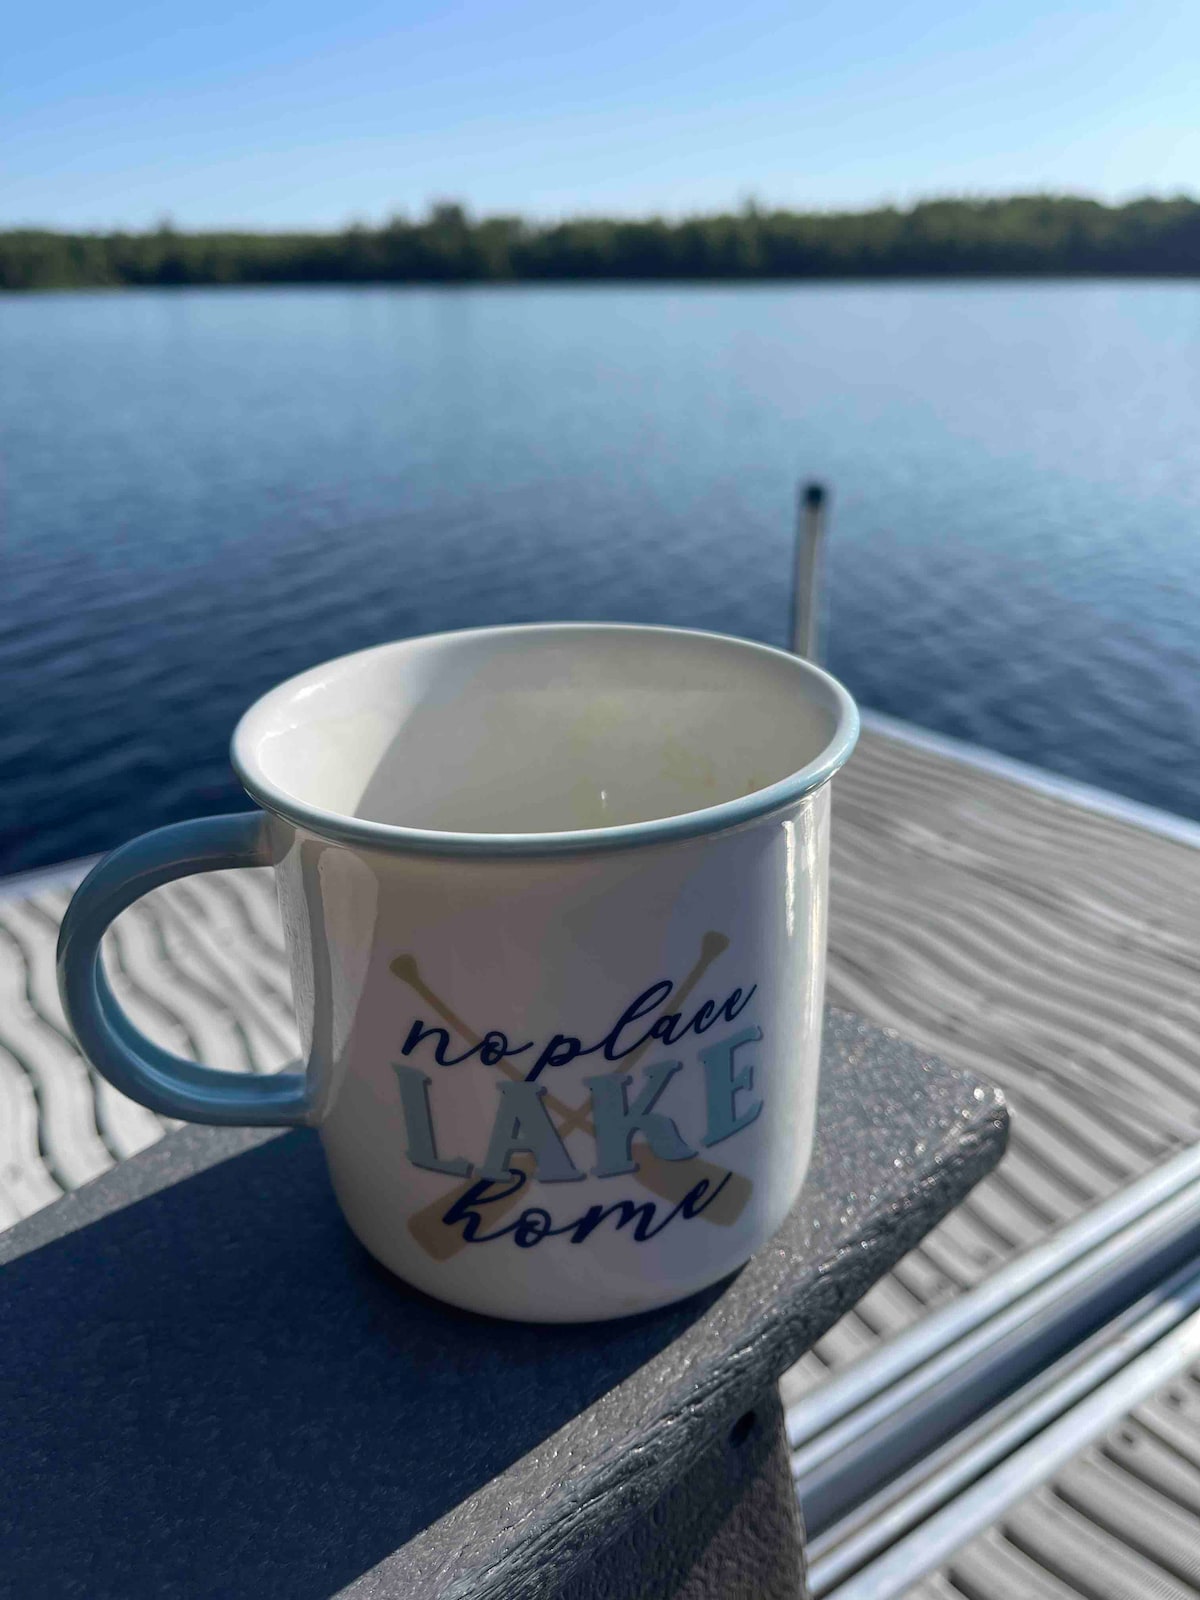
x,y
132,1063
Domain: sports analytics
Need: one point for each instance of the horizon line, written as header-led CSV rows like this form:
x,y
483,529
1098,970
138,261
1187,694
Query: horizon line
x,y
748,206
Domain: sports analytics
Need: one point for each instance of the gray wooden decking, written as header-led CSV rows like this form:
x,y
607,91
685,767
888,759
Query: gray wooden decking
x,y
1045,945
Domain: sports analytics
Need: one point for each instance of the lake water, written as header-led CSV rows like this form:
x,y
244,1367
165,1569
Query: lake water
x,y
206,491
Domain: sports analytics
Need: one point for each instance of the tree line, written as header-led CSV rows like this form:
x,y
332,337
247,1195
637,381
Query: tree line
x,y
1038,235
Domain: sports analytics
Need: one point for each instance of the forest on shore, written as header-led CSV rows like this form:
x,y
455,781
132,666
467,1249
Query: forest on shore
x,y
1025,235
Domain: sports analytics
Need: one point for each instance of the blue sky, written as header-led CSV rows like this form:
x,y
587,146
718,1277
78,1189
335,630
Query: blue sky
x,y
275,113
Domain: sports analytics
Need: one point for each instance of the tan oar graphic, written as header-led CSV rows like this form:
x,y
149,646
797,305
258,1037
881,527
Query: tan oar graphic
x,y
670,1180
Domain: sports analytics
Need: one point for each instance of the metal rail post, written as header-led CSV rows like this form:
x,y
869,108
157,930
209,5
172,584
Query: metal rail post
x,y
811,519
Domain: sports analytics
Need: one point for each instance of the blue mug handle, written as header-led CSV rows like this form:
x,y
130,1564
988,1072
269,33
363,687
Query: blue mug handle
x,y
132,1063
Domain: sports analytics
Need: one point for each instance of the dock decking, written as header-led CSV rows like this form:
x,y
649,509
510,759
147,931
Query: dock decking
x,y
1044,944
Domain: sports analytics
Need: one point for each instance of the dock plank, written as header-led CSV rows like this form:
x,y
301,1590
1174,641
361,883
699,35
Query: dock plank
x,y
1045,946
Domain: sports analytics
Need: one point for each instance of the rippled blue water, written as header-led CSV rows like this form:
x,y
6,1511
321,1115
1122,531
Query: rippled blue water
x,y
206,491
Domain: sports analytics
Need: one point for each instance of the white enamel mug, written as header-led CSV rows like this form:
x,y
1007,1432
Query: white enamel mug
x,y
555,906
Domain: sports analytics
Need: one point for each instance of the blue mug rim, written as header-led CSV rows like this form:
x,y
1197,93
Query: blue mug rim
x,y
763,803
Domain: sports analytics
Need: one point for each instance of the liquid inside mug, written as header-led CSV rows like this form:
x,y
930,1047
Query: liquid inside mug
x,y
555,908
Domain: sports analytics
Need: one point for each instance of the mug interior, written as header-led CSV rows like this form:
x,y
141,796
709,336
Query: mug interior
x,y
539,730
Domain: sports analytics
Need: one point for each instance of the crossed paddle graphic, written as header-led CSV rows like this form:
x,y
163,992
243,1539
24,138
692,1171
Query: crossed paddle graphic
x,y
669,1180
